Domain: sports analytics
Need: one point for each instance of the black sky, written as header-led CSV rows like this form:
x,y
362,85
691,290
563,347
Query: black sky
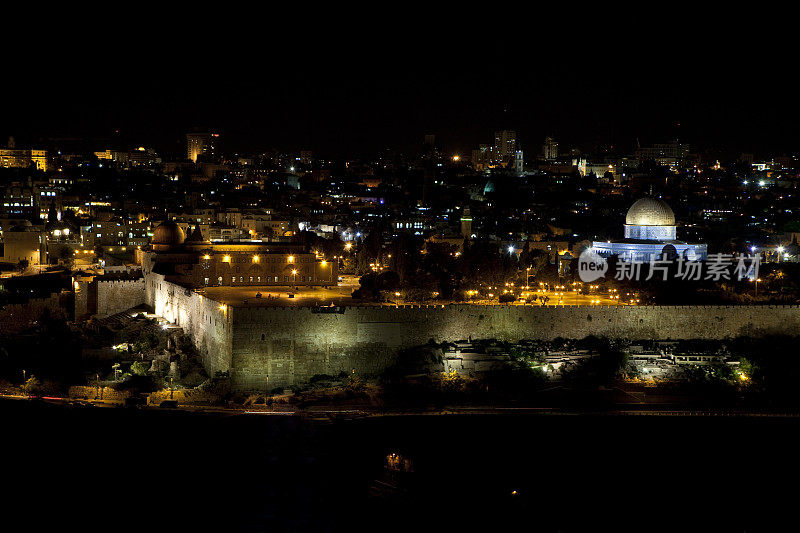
x,y
348,91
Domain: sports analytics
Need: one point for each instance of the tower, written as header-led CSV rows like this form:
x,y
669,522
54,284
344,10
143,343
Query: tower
x,y
519,163
466,223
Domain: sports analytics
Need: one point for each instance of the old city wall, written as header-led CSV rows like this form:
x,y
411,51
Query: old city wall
x,y
18,317
118,295
271,347
204,320
274,347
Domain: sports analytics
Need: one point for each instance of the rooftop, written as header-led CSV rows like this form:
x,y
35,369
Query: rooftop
x,y
272,296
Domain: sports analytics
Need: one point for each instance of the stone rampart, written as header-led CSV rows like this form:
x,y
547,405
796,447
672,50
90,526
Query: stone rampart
x,y
115,296
271,347
206,321
18,317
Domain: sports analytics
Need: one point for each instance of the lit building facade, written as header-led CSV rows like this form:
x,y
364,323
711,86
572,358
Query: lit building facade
x,y
650,233
18,158
195,262
25,242
201,144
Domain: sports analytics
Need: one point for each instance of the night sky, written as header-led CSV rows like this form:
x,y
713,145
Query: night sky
x,y
346,94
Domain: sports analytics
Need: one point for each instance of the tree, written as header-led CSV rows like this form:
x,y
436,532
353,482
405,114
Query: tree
x,y
139,368
23,265
388,281
66,256
369,285
32,386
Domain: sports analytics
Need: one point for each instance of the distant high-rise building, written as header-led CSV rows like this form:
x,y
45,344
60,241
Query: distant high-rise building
x,y
481,158
519,163
670,154
505,146
201,144
550,149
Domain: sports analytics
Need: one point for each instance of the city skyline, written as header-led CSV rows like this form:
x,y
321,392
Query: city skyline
x,y
342,116
293,273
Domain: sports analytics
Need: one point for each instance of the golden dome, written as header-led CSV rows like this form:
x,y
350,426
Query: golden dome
x,y
650,212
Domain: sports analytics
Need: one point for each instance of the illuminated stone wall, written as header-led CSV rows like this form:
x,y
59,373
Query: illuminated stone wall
x,y
102,298
118,295
272,347
204,320
290,345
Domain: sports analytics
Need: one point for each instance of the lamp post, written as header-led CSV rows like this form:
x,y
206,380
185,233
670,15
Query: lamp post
x,y
324,264
756,281
294,279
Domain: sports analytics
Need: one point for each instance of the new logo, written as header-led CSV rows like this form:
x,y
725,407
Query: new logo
x,y
591,266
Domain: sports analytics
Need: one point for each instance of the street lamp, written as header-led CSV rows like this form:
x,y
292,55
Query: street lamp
x,y
294,278
756,281
324,264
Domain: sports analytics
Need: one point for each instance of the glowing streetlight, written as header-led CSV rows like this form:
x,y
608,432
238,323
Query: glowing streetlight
x,y
756,282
